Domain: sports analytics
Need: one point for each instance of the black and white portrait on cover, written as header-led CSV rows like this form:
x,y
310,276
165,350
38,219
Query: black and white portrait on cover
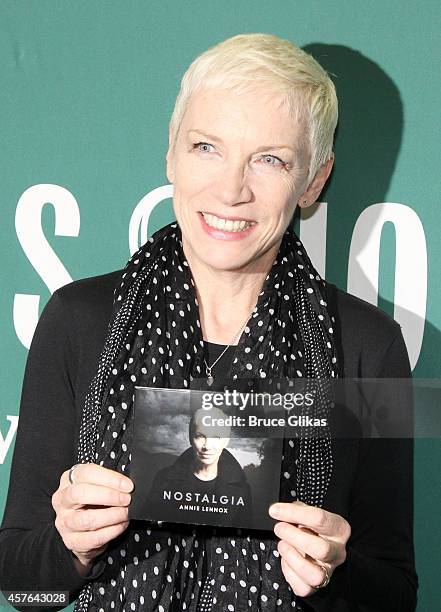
x,y
188,471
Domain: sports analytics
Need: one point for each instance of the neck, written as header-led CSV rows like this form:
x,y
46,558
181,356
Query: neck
x,y
225,311
205,472
226,298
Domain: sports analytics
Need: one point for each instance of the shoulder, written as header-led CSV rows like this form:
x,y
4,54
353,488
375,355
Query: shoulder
x,y
364,319
91,291
366,333
86,302
78,303
77,316
162,475
179,470
230,468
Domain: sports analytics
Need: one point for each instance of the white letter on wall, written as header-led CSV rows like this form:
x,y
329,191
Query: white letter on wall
x,y
313,221
5,443
38,250
139,220
410,267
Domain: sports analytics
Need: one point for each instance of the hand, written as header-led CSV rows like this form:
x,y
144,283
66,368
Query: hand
x,y
91,511
309,537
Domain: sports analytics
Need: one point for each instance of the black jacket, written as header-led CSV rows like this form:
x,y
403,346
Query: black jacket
x,y
230,484
371,484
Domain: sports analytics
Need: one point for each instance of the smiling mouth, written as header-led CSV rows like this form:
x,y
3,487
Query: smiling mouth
x,y
228,225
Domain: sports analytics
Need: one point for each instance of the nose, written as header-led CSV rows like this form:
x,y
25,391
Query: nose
x,y
233,184
208,444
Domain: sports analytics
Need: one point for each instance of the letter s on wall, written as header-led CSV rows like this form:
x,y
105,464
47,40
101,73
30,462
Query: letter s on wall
x,y
38,250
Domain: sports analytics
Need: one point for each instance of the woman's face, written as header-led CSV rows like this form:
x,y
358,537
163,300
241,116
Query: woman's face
x,y
239,166
207,448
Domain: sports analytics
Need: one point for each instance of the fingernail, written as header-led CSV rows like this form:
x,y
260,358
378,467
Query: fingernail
x,y
125,498
275,510
126,485
277,530
282,547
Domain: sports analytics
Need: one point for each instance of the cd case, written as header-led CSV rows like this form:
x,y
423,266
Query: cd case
x,y
193,462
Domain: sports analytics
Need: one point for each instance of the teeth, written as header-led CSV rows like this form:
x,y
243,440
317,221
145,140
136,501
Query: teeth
x,y
227,225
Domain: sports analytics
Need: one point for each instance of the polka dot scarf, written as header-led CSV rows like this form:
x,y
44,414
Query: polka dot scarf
x,y
154,339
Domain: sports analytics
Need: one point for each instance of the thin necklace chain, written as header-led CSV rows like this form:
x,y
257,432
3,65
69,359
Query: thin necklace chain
x,y
208,368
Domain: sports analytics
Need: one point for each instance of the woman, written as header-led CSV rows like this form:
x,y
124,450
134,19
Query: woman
x,y
226,292
207,476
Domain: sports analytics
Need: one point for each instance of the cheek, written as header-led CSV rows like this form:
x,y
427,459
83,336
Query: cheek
x,y
187,199
278,210
191,178
277,196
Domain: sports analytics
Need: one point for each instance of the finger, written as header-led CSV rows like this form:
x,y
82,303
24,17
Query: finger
x,y
87,519
85,541
84,494
307,570
319,520
312,544
97,474
298,586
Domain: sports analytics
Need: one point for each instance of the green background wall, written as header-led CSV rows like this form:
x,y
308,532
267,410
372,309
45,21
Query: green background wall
x,y
87,89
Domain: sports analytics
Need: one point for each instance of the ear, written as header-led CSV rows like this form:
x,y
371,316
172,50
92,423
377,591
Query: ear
x,y
316,185
170,157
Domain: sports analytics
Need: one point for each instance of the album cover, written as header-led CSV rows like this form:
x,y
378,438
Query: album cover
x,y
198,463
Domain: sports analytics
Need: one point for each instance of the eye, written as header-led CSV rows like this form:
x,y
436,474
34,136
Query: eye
x,y
272,160
203,147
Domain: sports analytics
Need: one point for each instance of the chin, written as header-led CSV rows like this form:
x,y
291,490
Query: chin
x,y
224,259
226,266
217,254
209,461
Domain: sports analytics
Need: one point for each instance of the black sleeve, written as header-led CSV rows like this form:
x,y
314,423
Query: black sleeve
x,y
379,572
32,553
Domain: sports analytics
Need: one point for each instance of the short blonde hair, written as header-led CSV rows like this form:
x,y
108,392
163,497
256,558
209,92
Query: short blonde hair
x,y
249,60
